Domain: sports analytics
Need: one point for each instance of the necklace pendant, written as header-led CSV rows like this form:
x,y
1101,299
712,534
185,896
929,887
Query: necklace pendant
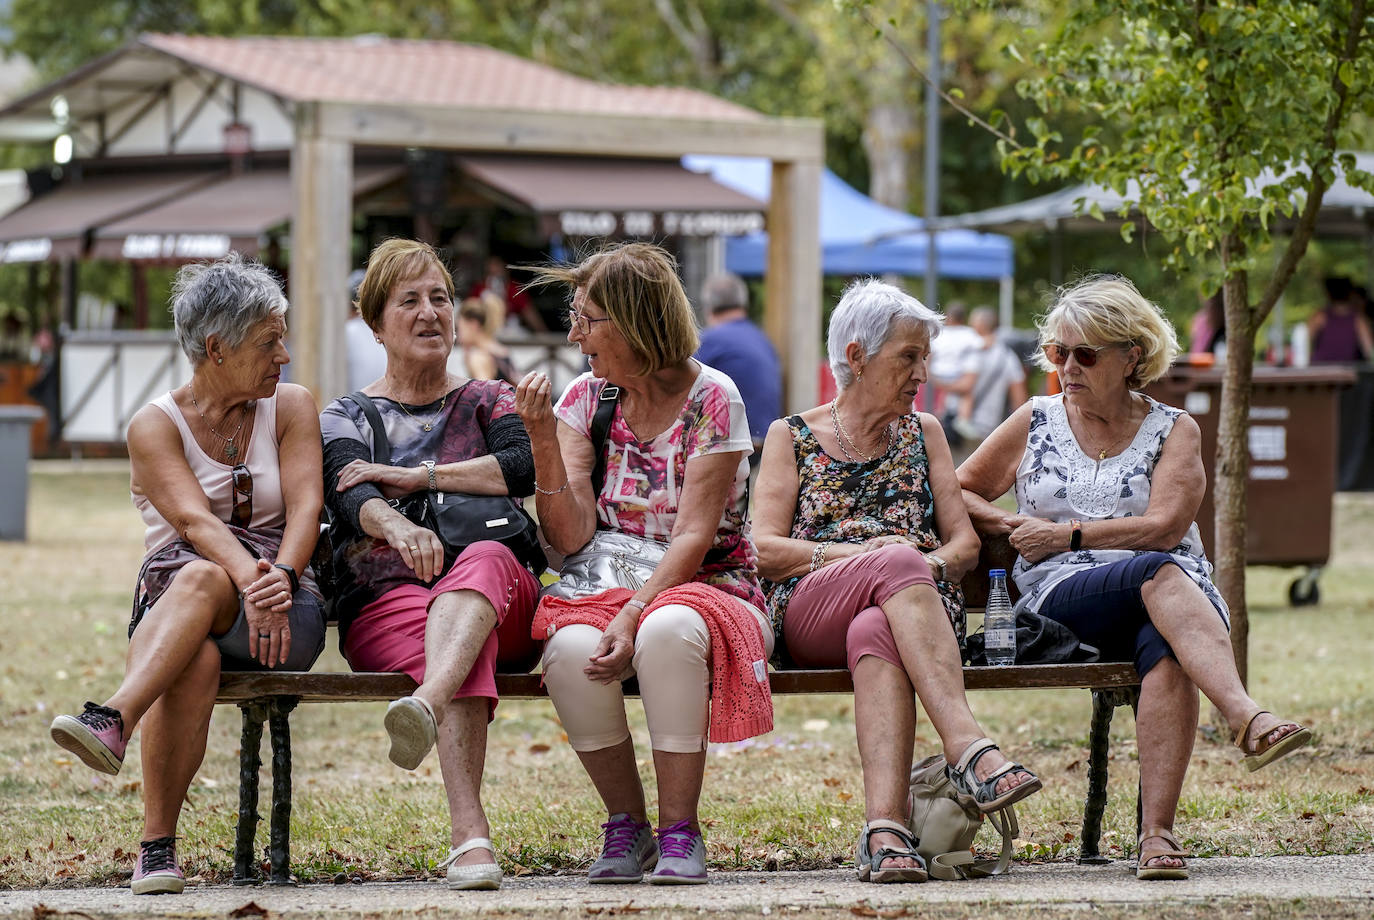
x,y
231,451
429,426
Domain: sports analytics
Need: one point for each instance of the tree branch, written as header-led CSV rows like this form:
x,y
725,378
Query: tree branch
x,y
1307,223
953,103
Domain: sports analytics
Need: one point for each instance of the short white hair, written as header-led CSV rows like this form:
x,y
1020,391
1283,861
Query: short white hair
x,y
225,298
868,313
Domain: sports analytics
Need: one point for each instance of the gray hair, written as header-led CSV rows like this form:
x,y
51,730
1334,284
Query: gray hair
x,y
226,298
868,313
726,291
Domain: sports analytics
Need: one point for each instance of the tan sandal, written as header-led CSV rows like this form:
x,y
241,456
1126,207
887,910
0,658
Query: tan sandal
x,y
1266,751
1147,872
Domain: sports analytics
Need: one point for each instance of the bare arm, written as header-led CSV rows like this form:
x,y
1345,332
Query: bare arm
x,y
481,365
1362,332
302,476
959,546
991,471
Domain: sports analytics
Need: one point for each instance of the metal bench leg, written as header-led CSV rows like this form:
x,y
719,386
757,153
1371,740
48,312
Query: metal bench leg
x,y
1104,702
279,849
250,762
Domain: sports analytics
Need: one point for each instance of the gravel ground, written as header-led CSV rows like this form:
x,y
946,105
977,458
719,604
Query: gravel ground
x,y
1332,886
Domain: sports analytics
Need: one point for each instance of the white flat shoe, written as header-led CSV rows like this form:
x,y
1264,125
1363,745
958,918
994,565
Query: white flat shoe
x,y
476,877
413,729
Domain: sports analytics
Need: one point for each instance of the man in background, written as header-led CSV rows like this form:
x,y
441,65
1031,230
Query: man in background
x,y
366,356
736,347
992,385
948,352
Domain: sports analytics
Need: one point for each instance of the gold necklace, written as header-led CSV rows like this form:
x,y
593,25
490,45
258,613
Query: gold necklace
x,y
841,436
429,425
230,448
1102,454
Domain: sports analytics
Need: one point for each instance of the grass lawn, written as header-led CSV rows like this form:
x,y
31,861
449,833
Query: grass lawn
x,y
791,799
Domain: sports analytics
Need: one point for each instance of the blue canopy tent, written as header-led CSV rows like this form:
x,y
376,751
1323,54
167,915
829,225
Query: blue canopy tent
x,y
859,236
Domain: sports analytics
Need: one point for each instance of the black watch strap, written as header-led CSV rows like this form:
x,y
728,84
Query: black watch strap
x,y
291,574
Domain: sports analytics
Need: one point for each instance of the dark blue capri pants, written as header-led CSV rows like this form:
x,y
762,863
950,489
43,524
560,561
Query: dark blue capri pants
x,y
1103,607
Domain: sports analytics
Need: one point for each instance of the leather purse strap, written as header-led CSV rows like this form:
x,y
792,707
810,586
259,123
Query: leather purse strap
x,y
381,446
601,429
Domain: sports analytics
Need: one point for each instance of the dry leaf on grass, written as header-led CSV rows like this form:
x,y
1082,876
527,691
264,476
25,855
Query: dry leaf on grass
x,y
251,909
832,781
539,748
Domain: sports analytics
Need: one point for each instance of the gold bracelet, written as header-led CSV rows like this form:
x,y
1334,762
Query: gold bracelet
x,y
546,491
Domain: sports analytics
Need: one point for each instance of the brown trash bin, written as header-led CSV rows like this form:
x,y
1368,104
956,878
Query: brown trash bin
x,y
1294,432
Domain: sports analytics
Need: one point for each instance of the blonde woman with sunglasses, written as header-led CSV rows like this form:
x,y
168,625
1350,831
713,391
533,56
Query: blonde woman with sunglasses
x,y
1111,557
226,474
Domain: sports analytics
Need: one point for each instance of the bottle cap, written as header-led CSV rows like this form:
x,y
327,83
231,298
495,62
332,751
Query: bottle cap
x,y
993,573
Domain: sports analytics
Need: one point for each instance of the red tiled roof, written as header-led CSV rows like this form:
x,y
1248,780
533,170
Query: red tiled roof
x,y
371,69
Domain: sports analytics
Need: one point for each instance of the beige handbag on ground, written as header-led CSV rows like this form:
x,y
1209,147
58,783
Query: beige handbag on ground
x,y
945,823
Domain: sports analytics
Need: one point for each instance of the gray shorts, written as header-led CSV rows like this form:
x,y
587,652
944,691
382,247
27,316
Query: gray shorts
x,y
306,618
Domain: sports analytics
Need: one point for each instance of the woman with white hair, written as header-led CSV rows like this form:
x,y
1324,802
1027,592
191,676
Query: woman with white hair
x,y
226,474
863,539
1109,556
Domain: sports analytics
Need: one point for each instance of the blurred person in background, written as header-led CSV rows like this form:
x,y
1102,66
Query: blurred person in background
x,y
479,319
519,306
992,384
1340,331
948,353
733,345
366,356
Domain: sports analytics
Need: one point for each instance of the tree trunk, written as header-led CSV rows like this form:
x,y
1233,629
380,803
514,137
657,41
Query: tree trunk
x,y
889,131
1233,452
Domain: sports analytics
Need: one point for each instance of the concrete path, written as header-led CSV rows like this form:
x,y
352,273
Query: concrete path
x,y
1338,881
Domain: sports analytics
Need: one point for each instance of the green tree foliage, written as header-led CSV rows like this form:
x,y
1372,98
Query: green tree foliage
x,y
1190,102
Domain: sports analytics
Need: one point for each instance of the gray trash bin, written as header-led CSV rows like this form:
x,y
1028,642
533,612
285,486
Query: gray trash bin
x,y
15,422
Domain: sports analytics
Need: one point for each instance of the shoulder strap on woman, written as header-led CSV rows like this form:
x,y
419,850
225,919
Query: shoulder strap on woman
x,y
601,429
381,447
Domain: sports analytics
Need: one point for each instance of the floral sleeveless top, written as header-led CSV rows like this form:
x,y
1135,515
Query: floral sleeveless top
x,y
843,502
1057,481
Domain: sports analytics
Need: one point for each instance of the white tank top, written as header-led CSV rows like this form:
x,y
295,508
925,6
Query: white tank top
x,y
263,462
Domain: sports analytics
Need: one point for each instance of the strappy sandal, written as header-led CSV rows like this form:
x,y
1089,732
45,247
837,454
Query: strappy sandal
x,y
984,792
476,877
1265,751
871,864
1143,869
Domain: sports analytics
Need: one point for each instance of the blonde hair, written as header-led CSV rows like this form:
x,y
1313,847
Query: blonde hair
x,y
486,308
638,287
1108,310
392,262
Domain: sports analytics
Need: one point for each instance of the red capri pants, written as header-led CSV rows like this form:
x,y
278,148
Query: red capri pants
x,y
837,608
389,633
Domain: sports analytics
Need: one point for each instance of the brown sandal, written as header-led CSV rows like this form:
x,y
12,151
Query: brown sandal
x,y
1143,869
1266,751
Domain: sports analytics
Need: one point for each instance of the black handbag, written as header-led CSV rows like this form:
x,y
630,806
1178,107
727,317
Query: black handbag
x,y
460,518
1039,640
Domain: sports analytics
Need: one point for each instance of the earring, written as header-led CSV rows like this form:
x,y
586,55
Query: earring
x,y
377,339
219,360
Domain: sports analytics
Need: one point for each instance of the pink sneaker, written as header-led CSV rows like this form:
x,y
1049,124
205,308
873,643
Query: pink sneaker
x,y
156,871
96,736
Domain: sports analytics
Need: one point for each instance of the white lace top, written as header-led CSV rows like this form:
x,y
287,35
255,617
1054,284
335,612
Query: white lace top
x,y
1057,481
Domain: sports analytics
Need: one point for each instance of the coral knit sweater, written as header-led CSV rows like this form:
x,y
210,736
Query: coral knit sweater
x,y
741,702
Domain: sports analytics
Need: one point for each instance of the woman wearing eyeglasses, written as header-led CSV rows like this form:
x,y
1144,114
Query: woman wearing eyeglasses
x,y
672,465
1113,558
226,474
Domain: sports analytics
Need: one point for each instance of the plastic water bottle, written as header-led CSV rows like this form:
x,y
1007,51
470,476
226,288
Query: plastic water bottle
x,y
999,623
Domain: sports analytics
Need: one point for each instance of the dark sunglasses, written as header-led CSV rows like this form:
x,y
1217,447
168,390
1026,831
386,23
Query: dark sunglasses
x,y
1085,355
242,513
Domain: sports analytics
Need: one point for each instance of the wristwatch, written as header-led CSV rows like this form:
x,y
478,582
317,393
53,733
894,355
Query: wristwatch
x,y
937,566
429,468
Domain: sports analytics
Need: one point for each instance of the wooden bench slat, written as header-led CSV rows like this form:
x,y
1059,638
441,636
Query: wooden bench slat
x,y
240,686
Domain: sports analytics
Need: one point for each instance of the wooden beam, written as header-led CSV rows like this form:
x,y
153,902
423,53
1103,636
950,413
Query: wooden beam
x,y
792,308
321,244
568,133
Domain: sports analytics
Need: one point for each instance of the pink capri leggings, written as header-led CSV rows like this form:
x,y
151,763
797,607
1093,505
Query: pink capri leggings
x,y
837,608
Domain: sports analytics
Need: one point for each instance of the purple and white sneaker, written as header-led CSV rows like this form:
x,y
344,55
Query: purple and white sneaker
x,y
630,848
96,736
684,856
156,871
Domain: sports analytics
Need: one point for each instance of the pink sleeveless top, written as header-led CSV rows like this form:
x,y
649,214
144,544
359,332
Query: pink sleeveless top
x,y
262,460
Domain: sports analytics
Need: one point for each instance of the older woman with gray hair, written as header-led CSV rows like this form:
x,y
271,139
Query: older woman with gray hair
x,y
226,472
863,538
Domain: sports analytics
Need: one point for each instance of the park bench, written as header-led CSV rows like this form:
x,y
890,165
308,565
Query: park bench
x,y
267,697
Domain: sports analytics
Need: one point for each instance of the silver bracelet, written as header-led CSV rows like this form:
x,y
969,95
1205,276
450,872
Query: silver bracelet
x,y
818,556
637,603
547,491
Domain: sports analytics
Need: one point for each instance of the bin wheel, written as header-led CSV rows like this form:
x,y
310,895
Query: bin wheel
x,y
1303,592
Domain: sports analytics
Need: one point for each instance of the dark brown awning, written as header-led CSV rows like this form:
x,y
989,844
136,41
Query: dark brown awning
x,y
208,222
607,197
54,226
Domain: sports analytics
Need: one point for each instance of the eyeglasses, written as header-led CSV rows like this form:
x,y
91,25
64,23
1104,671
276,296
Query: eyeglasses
x,y
1085,355
583,323
242,513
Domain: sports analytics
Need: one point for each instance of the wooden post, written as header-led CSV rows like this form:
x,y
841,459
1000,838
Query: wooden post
x,y
321,244
792,309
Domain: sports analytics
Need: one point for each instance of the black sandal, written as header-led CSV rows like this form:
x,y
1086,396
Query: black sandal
x,y
984,792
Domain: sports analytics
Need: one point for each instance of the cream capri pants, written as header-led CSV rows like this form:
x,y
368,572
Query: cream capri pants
x,y
672,659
